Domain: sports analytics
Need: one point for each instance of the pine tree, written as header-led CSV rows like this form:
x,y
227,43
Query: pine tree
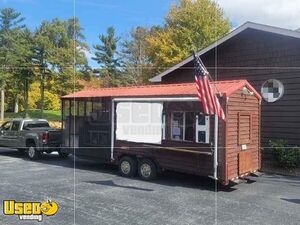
x,y
11,28
135,61
106,57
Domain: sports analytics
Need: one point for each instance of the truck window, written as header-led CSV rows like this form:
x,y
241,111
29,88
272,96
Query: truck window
x,y
6,125
15,125
39,124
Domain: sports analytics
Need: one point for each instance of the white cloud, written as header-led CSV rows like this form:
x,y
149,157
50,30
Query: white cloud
x,y
280,13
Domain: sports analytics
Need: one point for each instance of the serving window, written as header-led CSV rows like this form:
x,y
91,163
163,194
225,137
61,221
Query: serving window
x,y
189,126
177,125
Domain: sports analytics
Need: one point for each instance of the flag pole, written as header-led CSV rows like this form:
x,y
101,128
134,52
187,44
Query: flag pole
x,y
216,124
208,74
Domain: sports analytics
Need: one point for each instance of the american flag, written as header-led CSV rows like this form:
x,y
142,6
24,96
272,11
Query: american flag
x,y
206,95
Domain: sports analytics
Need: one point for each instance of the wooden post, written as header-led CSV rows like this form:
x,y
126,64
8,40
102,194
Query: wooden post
x,y
2,105
112,132
216,148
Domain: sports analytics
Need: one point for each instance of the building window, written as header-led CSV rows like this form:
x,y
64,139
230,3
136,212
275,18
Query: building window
x,y
272,90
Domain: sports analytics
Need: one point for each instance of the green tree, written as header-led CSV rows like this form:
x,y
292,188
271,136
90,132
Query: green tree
x,y
135,60
13,52
10,20
75,32
58,55
189,26
43,50
24,74
70,57
106,57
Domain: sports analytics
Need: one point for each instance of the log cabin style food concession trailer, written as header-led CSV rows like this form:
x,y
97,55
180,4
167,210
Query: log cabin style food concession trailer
x,y
147,129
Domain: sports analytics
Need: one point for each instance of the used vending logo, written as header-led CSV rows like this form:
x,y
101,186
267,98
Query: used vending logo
x,y
30,210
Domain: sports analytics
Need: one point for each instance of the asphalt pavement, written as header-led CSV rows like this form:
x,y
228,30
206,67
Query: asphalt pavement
x,y
90,193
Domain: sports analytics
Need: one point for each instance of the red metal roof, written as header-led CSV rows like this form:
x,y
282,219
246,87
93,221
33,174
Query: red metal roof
x,y
161,90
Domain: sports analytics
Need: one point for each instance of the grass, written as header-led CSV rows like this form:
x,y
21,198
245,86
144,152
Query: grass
x,y
50,115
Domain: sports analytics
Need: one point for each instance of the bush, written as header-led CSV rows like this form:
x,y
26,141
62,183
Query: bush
x,y
286,155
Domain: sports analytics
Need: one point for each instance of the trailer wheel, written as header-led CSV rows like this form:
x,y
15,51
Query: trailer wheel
x,y
32,152
127,166
147,169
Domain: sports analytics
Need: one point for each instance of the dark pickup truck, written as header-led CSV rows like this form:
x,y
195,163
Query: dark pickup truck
x,y
33,136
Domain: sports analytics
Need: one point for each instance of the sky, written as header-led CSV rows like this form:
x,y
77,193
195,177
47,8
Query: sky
x,y
96,15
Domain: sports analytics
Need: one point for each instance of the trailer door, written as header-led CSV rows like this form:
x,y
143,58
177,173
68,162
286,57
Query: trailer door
x,y
245,158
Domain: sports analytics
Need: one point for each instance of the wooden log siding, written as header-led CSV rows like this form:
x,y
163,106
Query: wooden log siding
x,y
238,106
258,56
181,161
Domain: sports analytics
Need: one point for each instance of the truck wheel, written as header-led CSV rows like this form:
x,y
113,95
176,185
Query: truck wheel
x,y
32,152
147,169
127,166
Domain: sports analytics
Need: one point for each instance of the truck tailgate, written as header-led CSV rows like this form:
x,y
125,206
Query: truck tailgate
x,y
55,137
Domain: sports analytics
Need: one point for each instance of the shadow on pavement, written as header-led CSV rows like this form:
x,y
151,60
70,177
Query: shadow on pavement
x,y
112,184
296,201
12,153
293,181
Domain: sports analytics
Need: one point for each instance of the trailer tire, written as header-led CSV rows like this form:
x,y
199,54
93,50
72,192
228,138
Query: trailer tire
x,y
147,169
127,166
32,152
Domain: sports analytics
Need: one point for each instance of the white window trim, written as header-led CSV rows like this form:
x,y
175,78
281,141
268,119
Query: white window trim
x,y
207,134
163,126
